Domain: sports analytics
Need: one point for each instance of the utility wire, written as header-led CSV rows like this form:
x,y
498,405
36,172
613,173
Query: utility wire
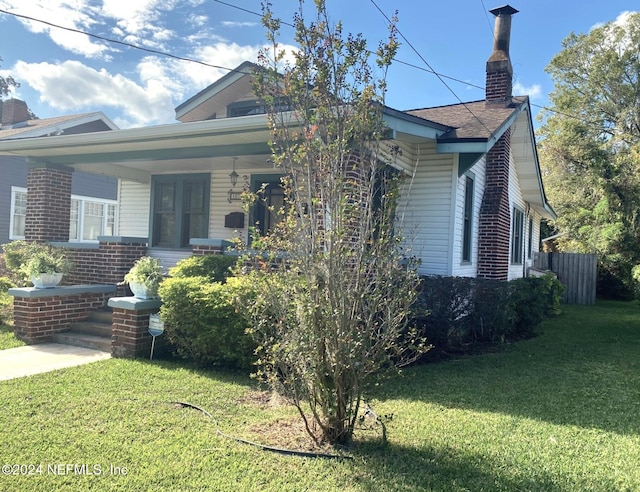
x,y
430,68
233,70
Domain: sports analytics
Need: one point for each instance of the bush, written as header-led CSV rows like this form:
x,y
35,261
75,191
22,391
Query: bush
x,y
460,314
216,268
6,301
203,324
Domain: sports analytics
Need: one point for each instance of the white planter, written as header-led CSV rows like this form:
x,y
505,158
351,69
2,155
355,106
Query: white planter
x,y
46,280
141,291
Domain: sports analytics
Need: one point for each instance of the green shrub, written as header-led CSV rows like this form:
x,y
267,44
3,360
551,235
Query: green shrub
x,y
203,324
460,314
6,301
216,268
25,259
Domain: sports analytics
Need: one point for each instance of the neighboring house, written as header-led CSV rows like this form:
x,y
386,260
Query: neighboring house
x,y
93,198
475,204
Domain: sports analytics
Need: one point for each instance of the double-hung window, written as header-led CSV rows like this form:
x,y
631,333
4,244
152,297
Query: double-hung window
x,y
517,236
467,224
89,217
180,205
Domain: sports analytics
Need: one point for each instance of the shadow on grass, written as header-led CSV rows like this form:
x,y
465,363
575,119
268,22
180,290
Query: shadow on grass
x,y
582,370
401,468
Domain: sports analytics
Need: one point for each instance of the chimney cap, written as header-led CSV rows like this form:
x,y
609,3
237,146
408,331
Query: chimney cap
x,y
504,10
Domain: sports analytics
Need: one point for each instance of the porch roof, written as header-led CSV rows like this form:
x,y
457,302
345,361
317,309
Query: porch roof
x,y
136,153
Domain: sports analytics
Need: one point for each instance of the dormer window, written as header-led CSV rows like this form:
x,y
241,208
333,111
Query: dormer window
x,y
253,106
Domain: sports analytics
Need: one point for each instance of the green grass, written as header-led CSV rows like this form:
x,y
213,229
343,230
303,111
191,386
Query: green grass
x,y
7,338
554,413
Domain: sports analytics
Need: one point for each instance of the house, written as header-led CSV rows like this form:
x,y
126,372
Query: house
x,y
475,204
93,197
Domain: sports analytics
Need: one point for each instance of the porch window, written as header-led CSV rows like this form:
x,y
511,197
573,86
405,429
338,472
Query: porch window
x,y
89,217
516,236
180,205
467,225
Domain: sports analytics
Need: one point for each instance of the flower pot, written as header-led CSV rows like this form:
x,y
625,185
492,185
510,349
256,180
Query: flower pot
x,y
141,291
46,280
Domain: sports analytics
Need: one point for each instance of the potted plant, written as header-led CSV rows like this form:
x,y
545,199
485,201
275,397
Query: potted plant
x,y
144,277
45,265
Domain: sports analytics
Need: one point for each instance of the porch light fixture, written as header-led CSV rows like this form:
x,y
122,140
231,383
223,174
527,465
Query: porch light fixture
x,y
234,175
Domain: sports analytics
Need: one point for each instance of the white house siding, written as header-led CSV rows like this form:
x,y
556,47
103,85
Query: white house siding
x,y
134,203
427,210
478,173
220,206
516,200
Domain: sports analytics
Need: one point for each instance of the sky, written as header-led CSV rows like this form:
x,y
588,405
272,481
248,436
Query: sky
x,y
63,72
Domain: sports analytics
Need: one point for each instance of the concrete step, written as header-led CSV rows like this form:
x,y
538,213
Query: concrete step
x,y
95,333
77,339
102,316
91,328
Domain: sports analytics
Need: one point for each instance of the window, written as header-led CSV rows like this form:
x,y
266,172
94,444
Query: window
x,y
18,212
89,217
516,236
180,205
530,240
467,224
255,106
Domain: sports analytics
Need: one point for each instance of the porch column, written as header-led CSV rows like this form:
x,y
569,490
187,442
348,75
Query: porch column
x,y
48,202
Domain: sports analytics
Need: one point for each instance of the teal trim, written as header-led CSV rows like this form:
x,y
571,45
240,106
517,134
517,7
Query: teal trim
x,y
62,291
133,303
467,161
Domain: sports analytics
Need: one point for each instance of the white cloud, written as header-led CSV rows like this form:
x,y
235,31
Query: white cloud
x,y
534,91
239,24
76,14
72,86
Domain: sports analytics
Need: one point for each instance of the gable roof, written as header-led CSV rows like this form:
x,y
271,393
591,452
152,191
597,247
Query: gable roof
x,y
68,125
204,105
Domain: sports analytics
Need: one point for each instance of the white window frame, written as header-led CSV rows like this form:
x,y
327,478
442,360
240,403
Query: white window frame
x,y
82,200
14,191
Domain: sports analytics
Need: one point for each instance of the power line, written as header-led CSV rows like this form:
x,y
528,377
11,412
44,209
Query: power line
x,y
117,41
233,70
430,68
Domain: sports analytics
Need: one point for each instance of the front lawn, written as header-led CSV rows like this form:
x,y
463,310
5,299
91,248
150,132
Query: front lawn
x,y
7,338
554,413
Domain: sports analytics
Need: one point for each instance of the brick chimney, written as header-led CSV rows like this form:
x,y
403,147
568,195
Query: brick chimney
x,y
499,69
495,214
14,111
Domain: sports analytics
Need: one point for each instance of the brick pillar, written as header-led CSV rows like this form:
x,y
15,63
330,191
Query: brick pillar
x,y
494,227
48,203
130,330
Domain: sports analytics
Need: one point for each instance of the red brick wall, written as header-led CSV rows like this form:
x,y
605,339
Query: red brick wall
x,y
494,227
107,264
498,87
35,319
130,333
48,204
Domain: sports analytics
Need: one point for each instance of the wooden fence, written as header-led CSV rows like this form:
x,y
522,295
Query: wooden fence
x,y
578,272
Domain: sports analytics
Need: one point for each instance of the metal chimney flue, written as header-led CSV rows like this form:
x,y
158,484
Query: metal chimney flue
x,y
499,69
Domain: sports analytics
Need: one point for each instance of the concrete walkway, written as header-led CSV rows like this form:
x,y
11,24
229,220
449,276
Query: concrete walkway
x,y
35,359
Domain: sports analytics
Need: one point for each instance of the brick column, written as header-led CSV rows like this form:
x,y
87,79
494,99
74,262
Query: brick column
x,y
130,330
48,203
495,216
